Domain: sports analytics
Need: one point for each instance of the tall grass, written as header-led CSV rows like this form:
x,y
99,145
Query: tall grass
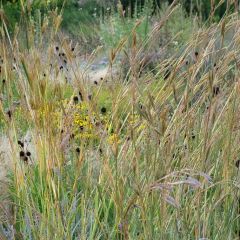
x,y
154,157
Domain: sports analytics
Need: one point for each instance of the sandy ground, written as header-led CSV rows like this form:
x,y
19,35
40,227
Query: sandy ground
x,y
6,164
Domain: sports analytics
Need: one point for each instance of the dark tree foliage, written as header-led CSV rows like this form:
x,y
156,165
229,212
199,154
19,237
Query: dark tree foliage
x,y
13,8
202,7
132,5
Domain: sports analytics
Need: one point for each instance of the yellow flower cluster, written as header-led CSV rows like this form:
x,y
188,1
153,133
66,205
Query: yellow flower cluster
x,y
84,124
82,121
113,139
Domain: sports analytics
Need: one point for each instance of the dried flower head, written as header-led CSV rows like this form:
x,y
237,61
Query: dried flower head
x,y
20,143
216,90
103,110
80,95
237,164
25,159
21,153
75,99
9,113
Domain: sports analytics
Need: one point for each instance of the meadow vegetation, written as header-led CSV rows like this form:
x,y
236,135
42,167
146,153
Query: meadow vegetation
x,y
150,150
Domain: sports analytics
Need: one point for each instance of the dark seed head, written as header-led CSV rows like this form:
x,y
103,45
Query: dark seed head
x,y
25,159
21,154
214,64
101,78
20,143
237,164
61,68
216,90
65,61
187,62
89,97
73,49
167,74
80,95
95,82
78,150
9,113
103,110
75,99
100,150
72,136
28,154
63,54
196,53
57,48
4,81
81,128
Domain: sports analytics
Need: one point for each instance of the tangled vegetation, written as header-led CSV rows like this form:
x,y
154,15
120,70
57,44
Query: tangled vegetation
x,y
147,150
